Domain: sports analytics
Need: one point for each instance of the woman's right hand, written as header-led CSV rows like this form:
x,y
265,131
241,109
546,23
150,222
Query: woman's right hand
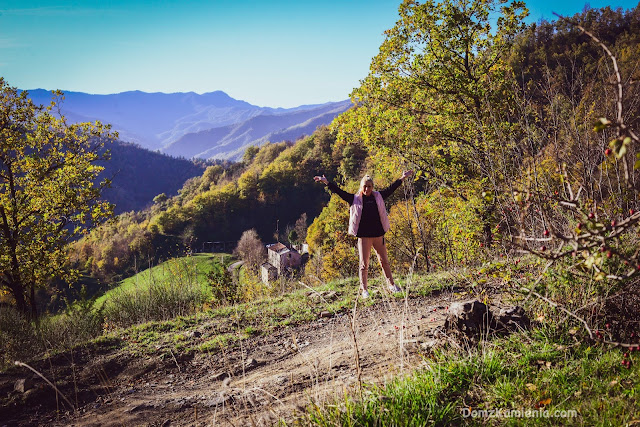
x,y
321,179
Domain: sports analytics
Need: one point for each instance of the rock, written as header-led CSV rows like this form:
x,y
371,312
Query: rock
x,y
330,296
23,385
139,407
470,318
473,318
512,319
250,363
430,344
281,380
217,400
220,376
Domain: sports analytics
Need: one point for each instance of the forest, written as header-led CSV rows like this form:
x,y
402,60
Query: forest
x,y
523,139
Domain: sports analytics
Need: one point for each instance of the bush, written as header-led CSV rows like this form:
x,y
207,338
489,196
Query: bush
x,y
223,287
17,337
80,322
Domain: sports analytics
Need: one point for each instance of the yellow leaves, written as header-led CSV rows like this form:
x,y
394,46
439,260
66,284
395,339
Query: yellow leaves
x,y
531,387
599,276
601,124
619,146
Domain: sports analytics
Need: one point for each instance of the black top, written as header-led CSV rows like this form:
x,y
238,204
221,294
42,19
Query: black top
x,y
370,224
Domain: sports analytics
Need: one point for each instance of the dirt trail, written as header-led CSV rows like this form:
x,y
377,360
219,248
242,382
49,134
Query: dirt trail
x,y
265,379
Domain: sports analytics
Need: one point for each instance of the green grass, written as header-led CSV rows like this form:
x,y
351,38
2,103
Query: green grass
x,y
194,268
524,372
244,320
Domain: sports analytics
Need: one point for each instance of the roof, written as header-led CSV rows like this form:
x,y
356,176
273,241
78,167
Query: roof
x,y
277,247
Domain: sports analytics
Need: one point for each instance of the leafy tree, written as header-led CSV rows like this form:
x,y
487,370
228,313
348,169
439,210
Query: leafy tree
x,y
292,237
438,94
48,191
160,198
301,227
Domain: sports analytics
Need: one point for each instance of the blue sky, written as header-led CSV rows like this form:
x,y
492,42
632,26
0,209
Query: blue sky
x,y
276,53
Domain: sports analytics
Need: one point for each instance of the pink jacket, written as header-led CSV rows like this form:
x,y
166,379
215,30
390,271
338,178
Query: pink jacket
x,y
355,213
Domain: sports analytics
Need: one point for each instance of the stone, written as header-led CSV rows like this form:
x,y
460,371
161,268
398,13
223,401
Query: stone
x,y
430,344
23,385
220,376
330,296
470,318
217,400
250,363
512,319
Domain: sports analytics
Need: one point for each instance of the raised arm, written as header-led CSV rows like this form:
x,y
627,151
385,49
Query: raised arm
x,y
347,197
395,184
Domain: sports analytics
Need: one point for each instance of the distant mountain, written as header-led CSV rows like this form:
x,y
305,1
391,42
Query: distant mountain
x,y
138,175
229,142
171,122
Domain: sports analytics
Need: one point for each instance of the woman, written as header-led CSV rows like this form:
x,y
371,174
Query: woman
x,y
368,221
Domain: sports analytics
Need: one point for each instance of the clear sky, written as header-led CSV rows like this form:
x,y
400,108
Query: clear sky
x,y
275,53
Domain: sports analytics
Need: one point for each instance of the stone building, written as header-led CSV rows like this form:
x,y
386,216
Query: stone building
x,y
280,260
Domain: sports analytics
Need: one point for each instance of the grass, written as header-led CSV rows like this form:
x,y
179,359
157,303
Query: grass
x,y
525,379
547,368
244,320
194,268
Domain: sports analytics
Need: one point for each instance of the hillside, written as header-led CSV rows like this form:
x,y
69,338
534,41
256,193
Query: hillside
x,y
233,375
138,175
301,359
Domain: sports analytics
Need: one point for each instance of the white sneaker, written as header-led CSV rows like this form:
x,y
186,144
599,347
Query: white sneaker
x,y
365,294
395,289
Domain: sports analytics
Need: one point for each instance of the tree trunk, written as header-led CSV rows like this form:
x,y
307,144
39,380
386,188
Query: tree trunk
x,y
32,300
16,289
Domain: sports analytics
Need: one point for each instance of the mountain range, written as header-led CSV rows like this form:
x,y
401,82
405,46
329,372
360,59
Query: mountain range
x,y
207,126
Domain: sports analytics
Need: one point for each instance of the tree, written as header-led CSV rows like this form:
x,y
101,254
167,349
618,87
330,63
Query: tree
x,y
439,93
301,227
49,191
251,249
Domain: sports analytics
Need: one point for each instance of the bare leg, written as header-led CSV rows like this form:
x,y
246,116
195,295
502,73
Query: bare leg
x,y
381,251
364,252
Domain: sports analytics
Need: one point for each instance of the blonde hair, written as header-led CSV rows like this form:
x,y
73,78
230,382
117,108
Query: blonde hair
x,y
363,181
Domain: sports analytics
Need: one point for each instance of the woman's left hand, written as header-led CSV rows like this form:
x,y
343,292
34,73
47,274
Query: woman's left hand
x,y
406,174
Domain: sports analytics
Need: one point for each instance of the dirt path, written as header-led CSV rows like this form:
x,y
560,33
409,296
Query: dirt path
x,y
265,379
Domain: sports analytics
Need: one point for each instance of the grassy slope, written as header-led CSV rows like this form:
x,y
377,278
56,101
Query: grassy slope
x,y
196,266
545,368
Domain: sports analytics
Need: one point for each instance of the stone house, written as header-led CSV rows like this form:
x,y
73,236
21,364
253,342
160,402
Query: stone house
x,y
280,260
